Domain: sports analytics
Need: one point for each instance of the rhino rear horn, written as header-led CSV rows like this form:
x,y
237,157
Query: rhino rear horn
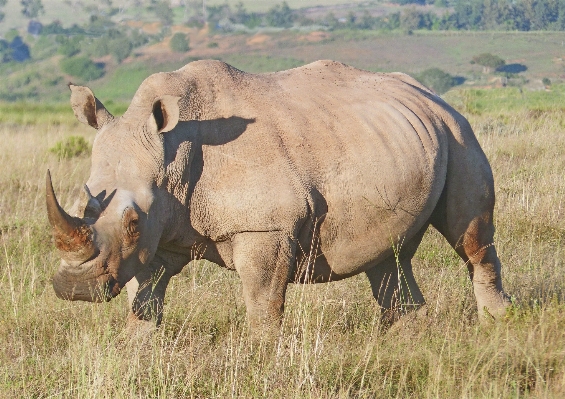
x,y
73,236
89,205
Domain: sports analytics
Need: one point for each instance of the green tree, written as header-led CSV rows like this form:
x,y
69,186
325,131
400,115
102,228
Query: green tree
x,y
331,21
280,15
120,48
164,12
491,14
241,16
436,79
411,19
2,4
32,8
488,61
366,21
69,46
179,43
5,51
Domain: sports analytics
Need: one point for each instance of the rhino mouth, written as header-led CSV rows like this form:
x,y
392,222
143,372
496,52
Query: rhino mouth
x,y
90,284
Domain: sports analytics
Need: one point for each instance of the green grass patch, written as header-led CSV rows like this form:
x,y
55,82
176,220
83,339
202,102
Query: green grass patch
x,y
25,113
506,100
29,113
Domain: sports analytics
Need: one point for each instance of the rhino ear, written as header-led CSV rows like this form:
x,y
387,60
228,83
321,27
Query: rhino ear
x,y
165,115
87,108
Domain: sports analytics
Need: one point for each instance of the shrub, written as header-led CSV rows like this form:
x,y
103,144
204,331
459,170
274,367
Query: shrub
x,y
81,67
179,43
546,82
98,47
72,146
69,46
436,79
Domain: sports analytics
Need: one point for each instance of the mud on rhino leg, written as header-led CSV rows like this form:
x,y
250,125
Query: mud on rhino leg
x,y
263,261
146,295
473,241
393,284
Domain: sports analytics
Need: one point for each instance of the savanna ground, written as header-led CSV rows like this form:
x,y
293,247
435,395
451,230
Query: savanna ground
x,y
331,344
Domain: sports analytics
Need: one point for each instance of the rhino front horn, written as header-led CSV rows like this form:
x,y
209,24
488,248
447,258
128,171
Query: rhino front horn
x,y
73,236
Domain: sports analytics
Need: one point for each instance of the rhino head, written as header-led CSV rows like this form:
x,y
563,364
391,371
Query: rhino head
x,y
115,232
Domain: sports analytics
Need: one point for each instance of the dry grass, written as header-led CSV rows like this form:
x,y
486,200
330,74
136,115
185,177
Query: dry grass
x,y
331,345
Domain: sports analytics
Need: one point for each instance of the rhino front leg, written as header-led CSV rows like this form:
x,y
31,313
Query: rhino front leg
x,y
263,261
393,284
146,295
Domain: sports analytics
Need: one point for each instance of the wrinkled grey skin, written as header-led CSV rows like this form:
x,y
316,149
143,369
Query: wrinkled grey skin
x,y
309,175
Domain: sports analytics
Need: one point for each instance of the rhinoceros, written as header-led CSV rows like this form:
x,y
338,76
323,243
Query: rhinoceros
x,y
309,175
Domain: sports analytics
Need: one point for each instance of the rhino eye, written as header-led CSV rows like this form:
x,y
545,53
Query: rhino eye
x,y
130,223
132,227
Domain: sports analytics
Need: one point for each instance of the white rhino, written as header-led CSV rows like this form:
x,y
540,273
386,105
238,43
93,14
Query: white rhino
x,y
308,175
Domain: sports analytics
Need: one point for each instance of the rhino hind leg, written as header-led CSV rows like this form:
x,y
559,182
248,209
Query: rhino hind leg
x,y
464,216
473,240
393,284
263,261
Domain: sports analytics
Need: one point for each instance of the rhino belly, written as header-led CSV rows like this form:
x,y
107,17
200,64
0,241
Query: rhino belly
x,y
362,228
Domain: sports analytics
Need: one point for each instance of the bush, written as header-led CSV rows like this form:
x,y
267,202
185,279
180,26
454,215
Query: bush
x,y
98,47
73,146
179,43
81,67
69,46
437,80
546,82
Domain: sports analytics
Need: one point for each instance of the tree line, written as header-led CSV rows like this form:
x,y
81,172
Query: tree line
x,y
522,15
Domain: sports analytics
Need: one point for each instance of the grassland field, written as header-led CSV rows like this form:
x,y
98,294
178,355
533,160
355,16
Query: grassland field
x,y
331,344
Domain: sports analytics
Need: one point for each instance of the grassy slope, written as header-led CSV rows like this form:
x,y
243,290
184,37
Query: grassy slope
x,y
451,51
331,345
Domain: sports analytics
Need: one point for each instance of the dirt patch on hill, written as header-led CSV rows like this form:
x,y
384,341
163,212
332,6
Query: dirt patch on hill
x,y
258,39
150,28
314,37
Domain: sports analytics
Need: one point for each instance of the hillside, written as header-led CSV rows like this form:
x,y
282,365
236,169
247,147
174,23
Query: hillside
x,y
536,56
